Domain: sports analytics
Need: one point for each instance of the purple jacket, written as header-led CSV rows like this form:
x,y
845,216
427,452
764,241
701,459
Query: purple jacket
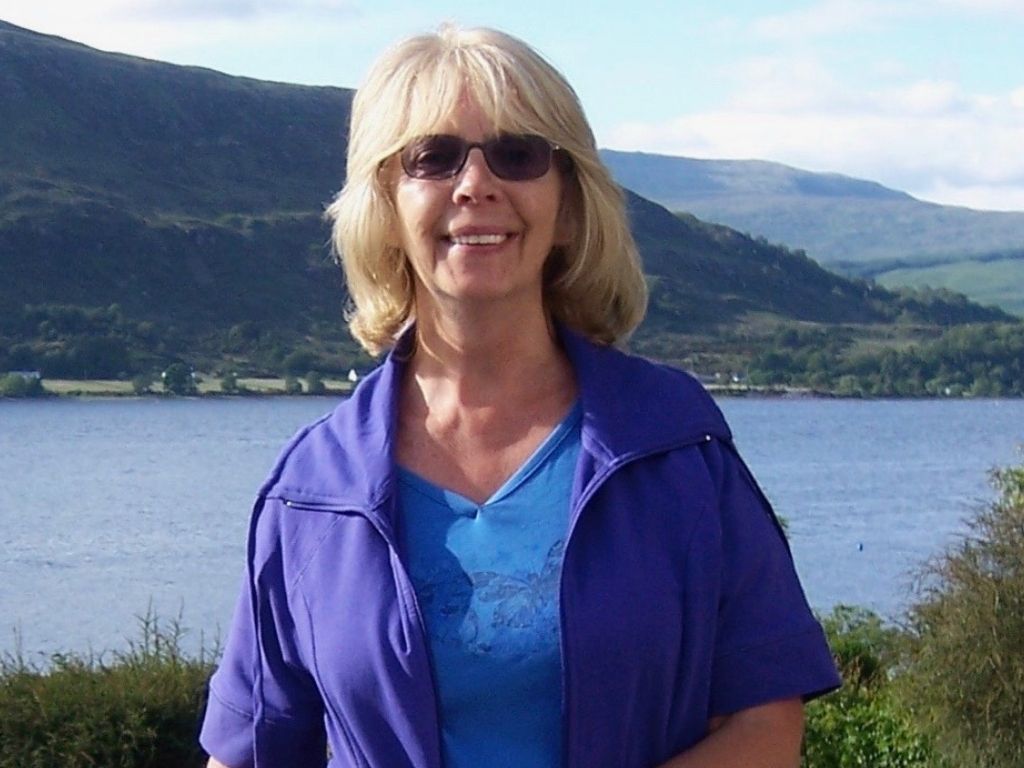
x,y
679,600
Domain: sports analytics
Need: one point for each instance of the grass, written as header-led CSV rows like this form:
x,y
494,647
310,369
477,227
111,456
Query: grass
x,y
134,709
97,387
208,385
993,282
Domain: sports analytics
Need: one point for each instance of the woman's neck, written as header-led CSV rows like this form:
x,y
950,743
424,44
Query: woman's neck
x,y
504,358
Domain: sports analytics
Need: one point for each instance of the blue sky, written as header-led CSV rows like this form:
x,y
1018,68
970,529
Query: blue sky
x,y
925,96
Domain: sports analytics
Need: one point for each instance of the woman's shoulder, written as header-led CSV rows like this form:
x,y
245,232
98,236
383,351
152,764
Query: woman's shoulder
x,y
342,457
644,396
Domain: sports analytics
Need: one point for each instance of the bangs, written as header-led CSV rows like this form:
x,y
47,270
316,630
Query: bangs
x,y
435,92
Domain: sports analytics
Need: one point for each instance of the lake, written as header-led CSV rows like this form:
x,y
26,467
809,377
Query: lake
x,y
111,507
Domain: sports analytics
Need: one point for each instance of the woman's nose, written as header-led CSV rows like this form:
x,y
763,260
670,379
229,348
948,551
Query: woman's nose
x,y
476,180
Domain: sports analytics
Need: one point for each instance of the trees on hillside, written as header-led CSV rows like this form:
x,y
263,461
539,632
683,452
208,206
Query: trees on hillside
x,y
980,360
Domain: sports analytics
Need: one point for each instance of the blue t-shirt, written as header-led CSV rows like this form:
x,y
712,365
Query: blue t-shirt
x,y
487,581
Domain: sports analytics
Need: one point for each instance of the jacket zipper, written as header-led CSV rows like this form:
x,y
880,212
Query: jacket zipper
x,y
575,514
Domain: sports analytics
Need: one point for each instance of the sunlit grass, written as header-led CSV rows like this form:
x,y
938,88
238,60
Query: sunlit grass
x,y
138,708
208,385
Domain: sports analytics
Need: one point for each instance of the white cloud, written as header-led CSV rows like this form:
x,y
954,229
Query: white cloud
x,y
825,18
148,27
1010,7
927,138
188,10
840,17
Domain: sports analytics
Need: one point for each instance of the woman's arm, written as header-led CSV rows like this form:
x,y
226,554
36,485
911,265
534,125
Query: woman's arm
x,y
766,736
214,763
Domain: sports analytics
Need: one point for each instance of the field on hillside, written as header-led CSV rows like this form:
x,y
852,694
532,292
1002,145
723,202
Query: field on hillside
x,y
993,282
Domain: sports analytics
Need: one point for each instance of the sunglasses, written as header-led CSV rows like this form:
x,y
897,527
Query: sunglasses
x,y
510,156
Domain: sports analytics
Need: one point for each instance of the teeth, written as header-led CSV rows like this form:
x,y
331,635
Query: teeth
x,y
479,239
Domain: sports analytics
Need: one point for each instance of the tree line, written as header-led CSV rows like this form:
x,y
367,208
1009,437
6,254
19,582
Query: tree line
x,y
983,360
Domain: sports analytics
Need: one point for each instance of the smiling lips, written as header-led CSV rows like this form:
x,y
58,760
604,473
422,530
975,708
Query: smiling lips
x,y
478,239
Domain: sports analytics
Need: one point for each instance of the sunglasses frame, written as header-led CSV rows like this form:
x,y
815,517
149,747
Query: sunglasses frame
x,y
487,147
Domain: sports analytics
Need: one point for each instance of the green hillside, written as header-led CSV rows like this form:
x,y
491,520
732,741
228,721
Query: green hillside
x,y
145,137
996,281
834,218
152,213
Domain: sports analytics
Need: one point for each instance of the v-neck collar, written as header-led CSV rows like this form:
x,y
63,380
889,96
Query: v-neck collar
x,y
462,505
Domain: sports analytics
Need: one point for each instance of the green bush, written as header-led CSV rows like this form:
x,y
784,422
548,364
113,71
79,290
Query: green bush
x,y
139,709
859,726
229,383
965,666
142,384
298,361
315,383
178,380
865,649
865,722
16,385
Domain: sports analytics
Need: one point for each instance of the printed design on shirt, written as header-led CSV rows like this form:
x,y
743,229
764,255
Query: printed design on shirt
x,y
481,610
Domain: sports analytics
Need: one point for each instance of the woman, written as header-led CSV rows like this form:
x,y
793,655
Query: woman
x,y
513,545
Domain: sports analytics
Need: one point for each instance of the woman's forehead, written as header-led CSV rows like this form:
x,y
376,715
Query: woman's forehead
x,y
468,114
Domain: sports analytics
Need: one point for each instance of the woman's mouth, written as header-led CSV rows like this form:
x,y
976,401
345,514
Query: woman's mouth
x,y
488,239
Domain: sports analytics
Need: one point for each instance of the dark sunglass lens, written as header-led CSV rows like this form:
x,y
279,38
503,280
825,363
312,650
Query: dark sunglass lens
x,y
433,157
519,158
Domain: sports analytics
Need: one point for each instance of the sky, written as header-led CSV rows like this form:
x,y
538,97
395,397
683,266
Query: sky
x,y
924,96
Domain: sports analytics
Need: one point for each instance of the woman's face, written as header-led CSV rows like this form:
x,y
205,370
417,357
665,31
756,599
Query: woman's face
x,y
476,237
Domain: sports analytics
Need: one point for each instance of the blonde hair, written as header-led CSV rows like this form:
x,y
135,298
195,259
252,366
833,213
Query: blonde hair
x,y
594,284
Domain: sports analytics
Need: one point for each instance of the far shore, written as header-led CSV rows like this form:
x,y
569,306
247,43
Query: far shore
x,y
256,387
274,387
265,387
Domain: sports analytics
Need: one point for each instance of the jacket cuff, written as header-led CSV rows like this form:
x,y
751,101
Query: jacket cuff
x,y
227,733
797,665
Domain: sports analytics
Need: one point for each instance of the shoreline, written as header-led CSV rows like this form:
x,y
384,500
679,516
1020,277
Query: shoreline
x,y
275,387
247,387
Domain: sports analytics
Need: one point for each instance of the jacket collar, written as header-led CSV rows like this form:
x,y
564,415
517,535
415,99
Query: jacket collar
x,y
630,407
633,406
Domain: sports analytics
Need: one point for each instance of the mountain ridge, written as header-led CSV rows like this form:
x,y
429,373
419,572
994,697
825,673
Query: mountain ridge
x,y
177,213
837,219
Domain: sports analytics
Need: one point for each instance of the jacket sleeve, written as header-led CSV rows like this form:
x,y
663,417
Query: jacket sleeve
x,y
768,645
264,708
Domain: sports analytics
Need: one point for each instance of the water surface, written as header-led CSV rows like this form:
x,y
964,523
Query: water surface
x,y
110,506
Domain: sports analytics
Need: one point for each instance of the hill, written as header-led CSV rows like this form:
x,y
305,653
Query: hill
x,y
147,137
857,227
993,278
834,218
151,212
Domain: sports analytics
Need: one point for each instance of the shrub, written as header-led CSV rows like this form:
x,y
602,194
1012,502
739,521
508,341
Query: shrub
x,y
864,723
292,385
864,648
178,380
142,384
859,726
229,383
965,667
16,385
315,383
298,361
140,709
